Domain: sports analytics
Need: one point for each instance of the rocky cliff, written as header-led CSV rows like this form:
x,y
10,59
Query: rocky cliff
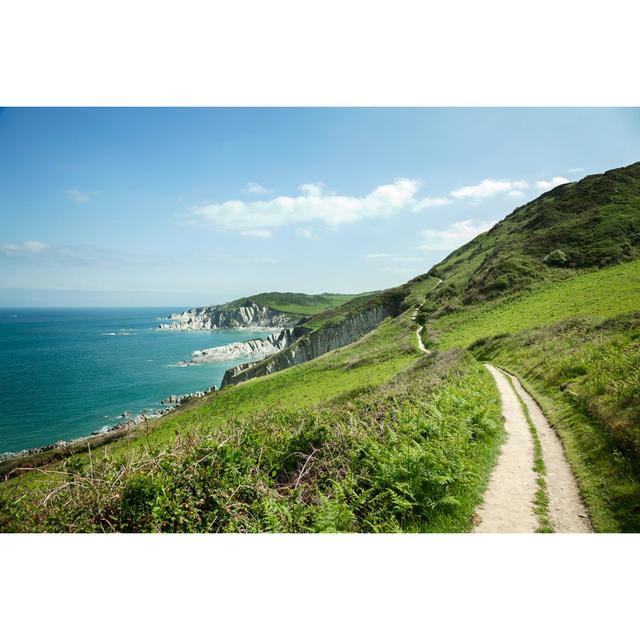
x,y
313,344
249,316
259,348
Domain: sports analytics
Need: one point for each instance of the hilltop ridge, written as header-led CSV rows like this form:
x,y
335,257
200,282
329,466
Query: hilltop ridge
x,y
587,224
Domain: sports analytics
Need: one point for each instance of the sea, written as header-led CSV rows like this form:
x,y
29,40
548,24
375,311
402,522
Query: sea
x,y
65,373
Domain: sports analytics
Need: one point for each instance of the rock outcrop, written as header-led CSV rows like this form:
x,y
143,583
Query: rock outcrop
x,y
312,345
249,316
258,348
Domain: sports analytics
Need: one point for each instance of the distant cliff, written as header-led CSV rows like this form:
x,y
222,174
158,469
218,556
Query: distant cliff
x,y
314,344
258,348
248,316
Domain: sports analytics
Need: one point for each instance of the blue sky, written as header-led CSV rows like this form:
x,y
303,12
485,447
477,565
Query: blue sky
x,y
181,207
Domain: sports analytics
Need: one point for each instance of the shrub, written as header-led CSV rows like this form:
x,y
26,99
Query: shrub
x,y
557,258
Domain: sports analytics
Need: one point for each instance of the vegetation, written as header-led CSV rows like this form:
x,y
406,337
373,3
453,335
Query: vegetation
x,y
376,436
412,455
584,225
600,294
586,375
300,304
552,294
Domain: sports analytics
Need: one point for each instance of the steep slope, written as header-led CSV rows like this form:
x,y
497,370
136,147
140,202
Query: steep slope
x,y
552,294
583,225
247,316
324,332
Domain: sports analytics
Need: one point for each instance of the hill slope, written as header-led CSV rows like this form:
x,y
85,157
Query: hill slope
x,y
378,436
583,225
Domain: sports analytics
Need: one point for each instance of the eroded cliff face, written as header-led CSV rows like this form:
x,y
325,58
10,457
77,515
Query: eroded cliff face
x,y
258,348
311,346
218,317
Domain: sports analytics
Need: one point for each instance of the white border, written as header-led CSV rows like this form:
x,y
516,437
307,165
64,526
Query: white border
x,y
331,586
285,52
319,52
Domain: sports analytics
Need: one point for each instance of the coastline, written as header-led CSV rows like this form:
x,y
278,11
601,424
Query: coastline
x,y
172,403
152,410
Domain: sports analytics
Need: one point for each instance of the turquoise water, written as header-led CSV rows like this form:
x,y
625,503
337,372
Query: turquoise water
x,y
67,372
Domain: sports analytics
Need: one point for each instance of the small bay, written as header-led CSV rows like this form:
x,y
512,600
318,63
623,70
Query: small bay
x,y
67,372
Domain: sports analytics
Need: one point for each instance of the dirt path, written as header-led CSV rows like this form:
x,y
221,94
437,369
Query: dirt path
x,y
566,509
419,333
509,500
420,328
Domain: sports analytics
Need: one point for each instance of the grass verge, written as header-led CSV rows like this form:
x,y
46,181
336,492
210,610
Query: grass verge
x,y
412,455
584,374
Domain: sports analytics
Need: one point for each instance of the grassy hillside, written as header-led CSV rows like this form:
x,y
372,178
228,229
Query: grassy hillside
x,y
378,461
301,304
552,294
351,441
377,436
584,225
598,294
586,374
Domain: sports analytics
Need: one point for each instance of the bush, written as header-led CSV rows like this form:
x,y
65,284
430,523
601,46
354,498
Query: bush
x,y
557,258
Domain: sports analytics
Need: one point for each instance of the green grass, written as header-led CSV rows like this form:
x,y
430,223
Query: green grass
x,y
369,362
300,304
378,437
584,225
585,374
411,455
366,363
602,294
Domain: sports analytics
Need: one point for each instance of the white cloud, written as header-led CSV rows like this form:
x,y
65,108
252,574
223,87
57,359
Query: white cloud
x,y
81,197
305,232
311,189
257,188
488,188
30,246
427,203
454,236
556,181
258,217
36,246
516,193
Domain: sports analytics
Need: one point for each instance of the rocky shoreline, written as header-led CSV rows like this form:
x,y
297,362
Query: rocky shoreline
x,y
253,349
171,404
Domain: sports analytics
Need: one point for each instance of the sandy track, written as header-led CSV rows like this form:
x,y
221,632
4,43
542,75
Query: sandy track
x,y
419,332
508,501
566,509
